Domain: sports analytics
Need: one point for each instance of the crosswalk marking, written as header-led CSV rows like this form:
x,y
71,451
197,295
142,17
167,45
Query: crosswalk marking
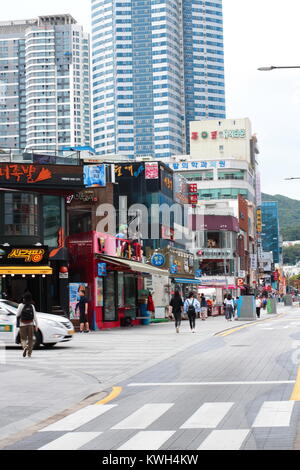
x,y
79,418
229,439
209,415
274,414
147,440
145,416
71,441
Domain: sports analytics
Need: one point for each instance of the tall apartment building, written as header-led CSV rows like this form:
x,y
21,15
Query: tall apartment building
x,y
157,65
44,84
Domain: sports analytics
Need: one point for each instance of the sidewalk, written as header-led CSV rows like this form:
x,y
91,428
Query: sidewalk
x,y
54,380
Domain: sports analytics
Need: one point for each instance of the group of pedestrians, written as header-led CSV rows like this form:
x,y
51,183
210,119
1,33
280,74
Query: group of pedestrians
x,y
191,306
230,306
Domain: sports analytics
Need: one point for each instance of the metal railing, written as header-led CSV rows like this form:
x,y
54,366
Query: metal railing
x,y
51,157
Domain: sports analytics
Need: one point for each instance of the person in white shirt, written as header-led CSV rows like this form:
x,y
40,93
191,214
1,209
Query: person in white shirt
x,y
192,307
258,304
26,316
229,307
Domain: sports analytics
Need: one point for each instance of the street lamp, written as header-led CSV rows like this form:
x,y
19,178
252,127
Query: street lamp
x,y
272,67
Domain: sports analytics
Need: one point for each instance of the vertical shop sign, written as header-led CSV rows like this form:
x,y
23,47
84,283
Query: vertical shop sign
x,y
99,292
151,170
102,269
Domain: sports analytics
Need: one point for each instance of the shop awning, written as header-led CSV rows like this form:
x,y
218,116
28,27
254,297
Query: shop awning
x,y
183,280
134,265
25,270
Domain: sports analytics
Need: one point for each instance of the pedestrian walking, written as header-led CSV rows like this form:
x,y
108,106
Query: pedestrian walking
x,y
224,305
229,307
192,307
82,305
177,307
150,305
258,305
264,303
203,307
27,321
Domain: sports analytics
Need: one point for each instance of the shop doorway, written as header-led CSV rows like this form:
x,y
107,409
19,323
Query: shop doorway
x,y
14,287
110,289
130,295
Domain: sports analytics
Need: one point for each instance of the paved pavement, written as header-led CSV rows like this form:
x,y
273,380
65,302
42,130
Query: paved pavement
x,y
149,354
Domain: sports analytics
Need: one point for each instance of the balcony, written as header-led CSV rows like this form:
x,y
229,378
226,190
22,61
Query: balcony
x,y
107,244
128,249
55,157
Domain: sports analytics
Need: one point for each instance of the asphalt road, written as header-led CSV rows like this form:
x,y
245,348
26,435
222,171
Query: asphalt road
x,y
228,386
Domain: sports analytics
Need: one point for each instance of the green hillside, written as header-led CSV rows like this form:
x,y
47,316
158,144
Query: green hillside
x,y
289,215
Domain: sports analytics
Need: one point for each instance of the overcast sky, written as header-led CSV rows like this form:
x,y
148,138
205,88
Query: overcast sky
x,y
257,33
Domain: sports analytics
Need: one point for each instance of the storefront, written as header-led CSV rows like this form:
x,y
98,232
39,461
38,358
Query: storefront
x,y
25,269
114,286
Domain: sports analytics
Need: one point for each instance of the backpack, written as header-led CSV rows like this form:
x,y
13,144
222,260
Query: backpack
x,y
191,309
27,314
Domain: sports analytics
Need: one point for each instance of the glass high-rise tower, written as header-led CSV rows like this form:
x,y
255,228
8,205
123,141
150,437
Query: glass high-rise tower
x,y
157,65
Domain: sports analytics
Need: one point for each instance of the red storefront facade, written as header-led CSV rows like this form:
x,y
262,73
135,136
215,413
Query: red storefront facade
x,y
114,284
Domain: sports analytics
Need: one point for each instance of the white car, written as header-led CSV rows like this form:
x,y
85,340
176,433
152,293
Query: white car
x,y
52,328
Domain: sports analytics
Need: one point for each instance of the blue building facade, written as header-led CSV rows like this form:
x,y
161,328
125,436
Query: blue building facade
x,y
157,65
270,229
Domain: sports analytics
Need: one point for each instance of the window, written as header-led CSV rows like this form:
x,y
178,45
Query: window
x,y
110,311
231,175
51,219
20,214
80,221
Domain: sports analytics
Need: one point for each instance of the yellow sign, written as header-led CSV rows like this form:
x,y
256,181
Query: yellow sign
x,y
259,220
25,270
29,255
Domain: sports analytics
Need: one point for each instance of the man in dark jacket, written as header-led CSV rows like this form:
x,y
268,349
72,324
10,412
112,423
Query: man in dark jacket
x,y
203,309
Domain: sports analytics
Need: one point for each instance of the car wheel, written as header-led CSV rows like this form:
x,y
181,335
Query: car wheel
x,y
48,345
37,339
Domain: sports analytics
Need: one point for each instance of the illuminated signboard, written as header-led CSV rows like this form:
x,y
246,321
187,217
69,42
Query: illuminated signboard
x,y
191,165
23,255
259,221
214,135
94,176
193,194
32,175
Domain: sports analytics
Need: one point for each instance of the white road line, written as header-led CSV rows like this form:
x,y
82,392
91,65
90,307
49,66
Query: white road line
x,y
229,439
71,441
147,440
145,416
208,415
79,418
187,384
274,414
